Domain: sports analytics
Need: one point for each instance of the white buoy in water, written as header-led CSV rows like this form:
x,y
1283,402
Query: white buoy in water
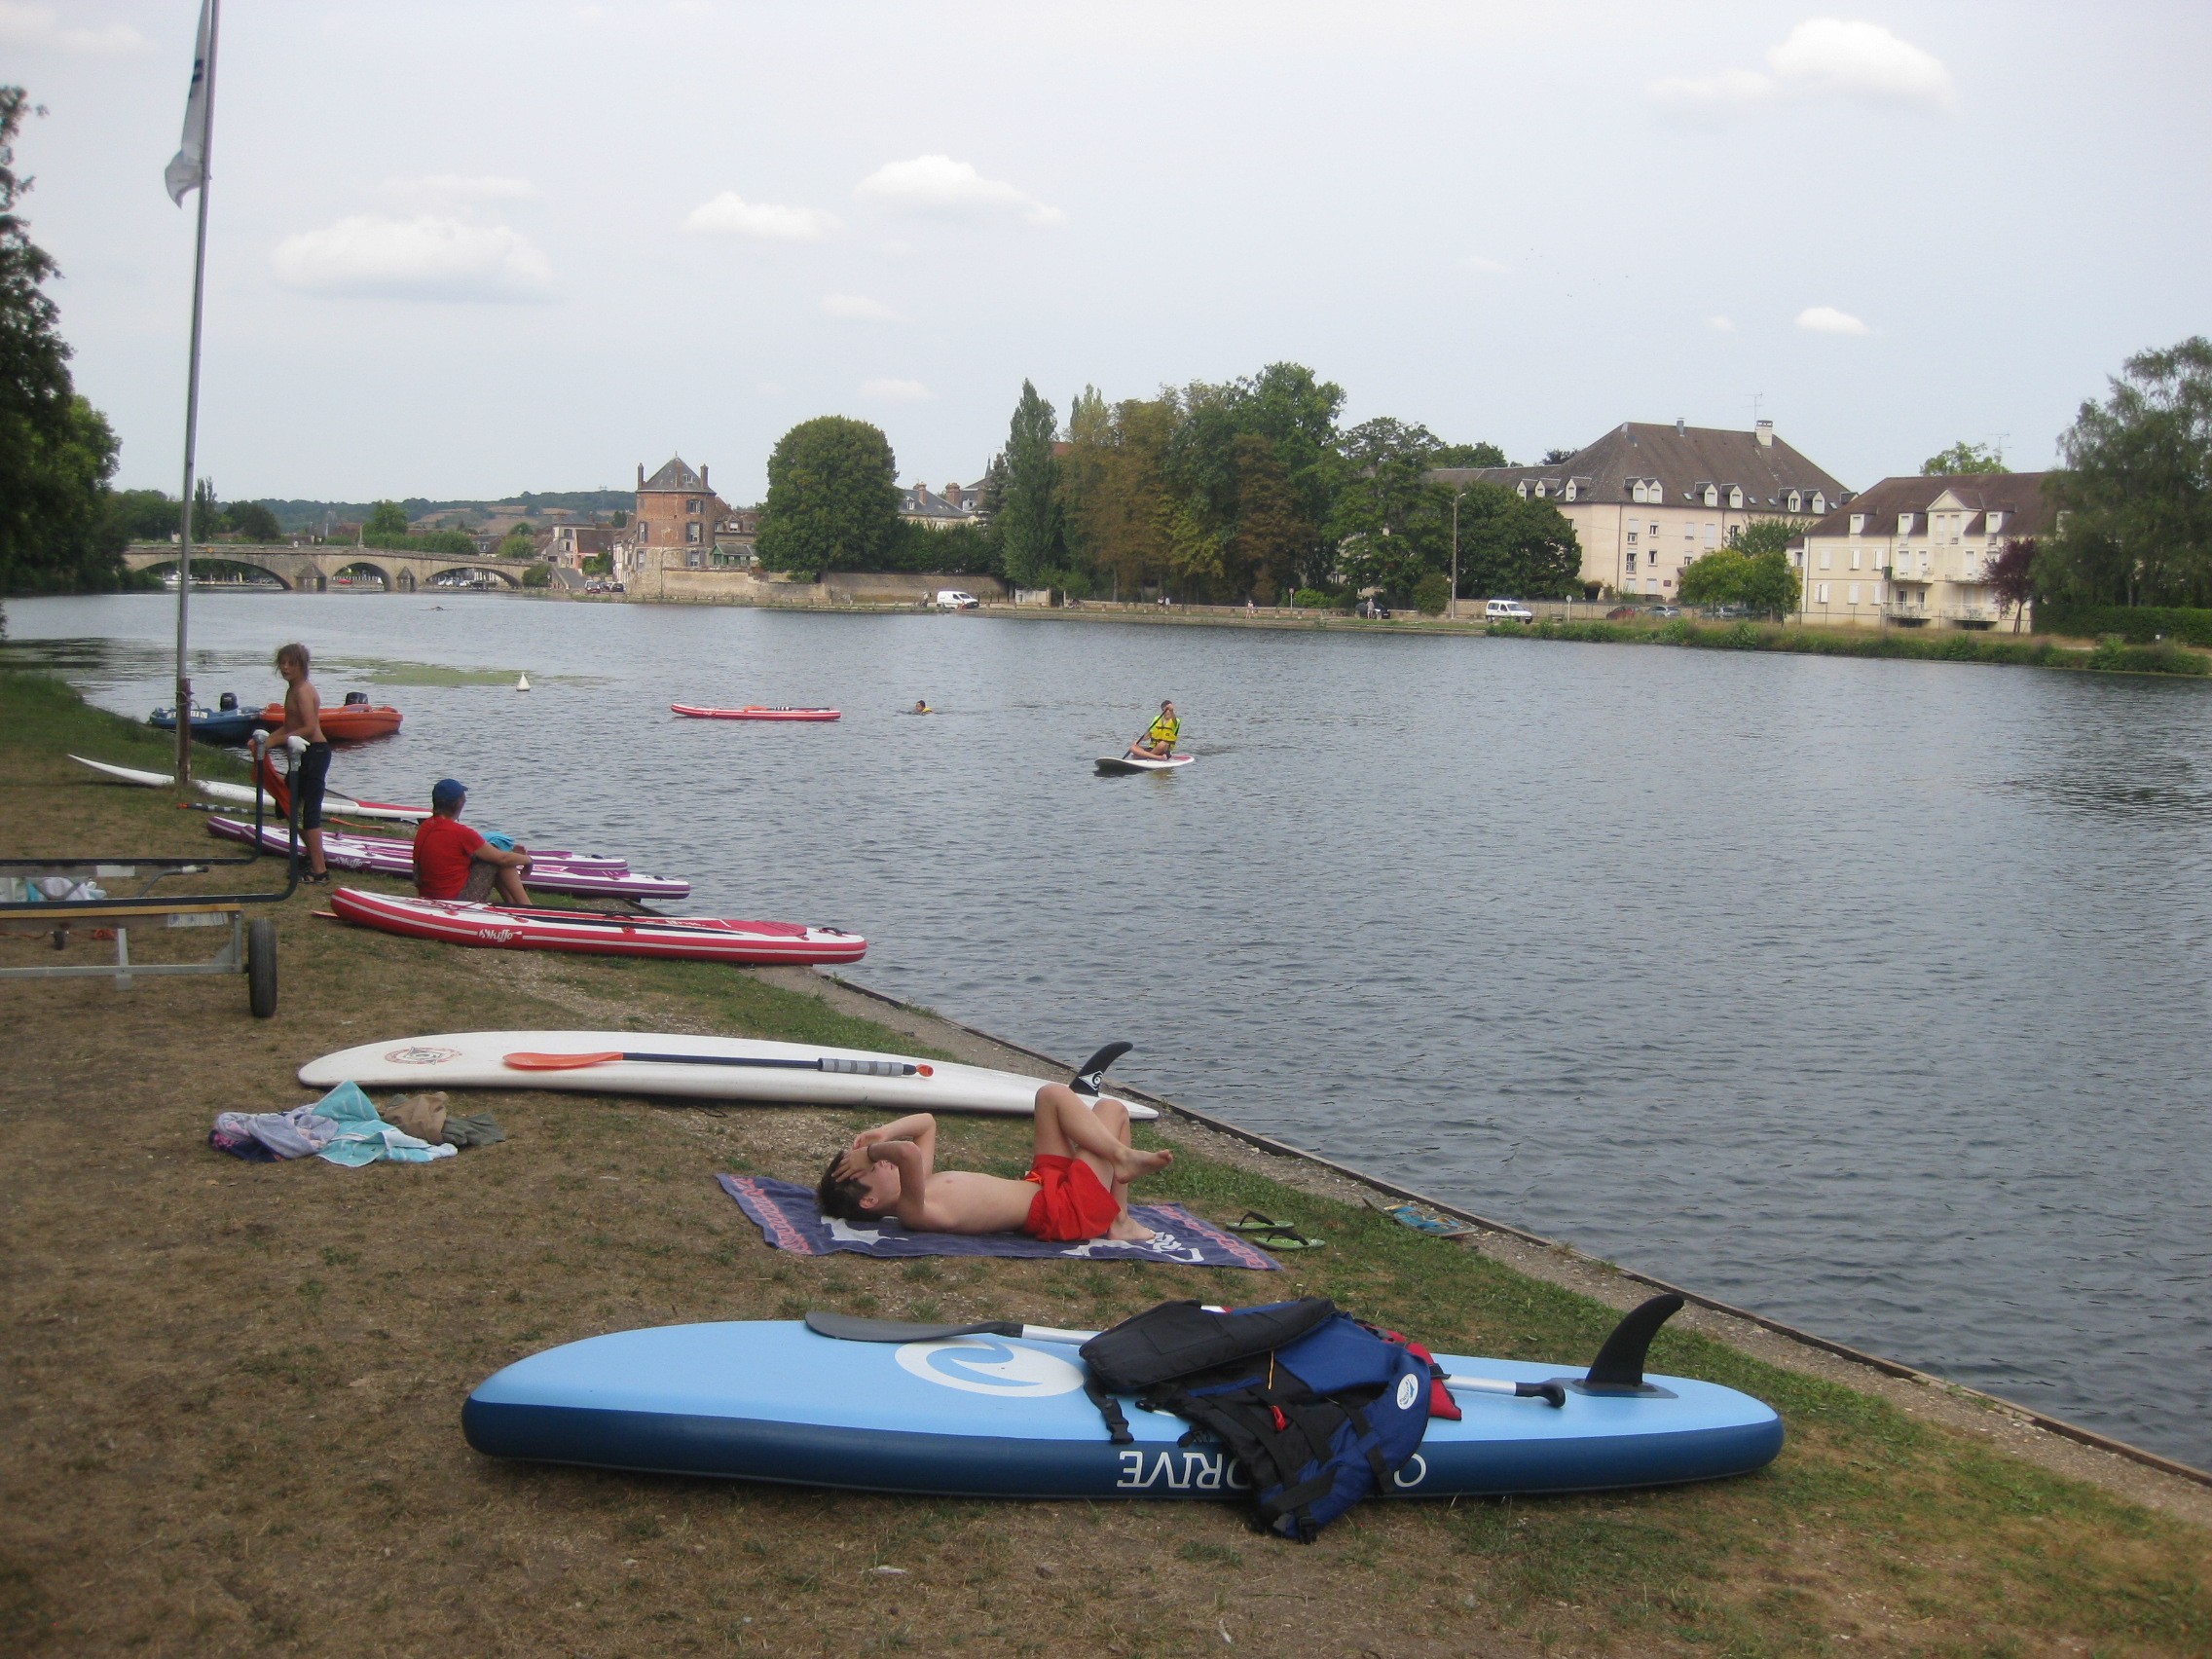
x,y
522,683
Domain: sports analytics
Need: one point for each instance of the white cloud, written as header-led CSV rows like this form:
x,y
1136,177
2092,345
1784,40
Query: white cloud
x,y
424,258
941,186
1487,267
1721,324
459,187
765,221
893,391
1835,57
1826,319
857,308
34,27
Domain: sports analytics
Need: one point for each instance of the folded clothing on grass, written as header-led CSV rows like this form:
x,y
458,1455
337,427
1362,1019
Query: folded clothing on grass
x,y
786,1216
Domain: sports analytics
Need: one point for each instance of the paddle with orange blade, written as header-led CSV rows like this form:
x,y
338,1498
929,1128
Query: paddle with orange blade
x,y
527,1061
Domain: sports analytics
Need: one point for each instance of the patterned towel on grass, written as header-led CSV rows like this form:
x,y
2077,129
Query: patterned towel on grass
x,y
786,1216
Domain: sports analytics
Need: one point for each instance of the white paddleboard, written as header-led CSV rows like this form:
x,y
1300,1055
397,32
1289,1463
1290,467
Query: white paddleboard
x,y
241,795
1117,763
474,1059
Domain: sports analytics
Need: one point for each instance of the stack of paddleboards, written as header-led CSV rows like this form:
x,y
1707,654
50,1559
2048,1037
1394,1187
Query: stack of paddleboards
x,y
998,1409
584,874
691,1068
452,921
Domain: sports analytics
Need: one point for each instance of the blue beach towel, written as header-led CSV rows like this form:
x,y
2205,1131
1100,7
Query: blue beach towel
x,y
788,1219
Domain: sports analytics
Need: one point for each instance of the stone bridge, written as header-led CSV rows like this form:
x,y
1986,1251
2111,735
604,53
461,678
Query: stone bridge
x,y
315,568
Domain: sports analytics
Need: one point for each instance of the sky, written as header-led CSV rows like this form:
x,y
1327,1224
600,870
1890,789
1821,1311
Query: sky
x,y
468,247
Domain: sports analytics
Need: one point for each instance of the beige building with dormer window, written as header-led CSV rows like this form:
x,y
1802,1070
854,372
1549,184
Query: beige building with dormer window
x,y
1915,552
1645,499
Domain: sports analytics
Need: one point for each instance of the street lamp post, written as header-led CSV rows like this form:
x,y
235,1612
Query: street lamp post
x,y
1455,499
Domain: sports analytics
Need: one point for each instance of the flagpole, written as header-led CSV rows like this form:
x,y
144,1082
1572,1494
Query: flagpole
x,y
192,414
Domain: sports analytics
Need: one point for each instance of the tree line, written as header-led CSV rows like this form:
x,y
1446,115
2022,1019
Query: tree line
x,y
1250,489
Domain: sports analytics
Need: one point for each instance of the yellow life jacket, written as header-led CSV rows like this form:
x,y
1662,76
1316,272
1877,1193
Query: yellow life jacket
x,y
1165,731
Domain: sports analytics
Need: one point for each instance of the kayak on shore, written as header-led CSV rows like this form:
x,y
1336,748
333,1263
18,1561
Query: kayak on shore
x,y
578,874
590,933
753,711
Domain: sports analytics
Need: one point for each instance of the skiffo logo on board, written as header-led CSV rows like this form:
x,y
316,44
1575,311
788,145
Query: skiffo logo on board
x,y
421,1057
980,1365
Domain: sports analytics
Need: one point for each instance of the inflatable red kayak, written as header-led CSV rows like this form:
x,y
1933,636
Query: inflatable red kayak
x,y
754,712
350,721
697,940
581,874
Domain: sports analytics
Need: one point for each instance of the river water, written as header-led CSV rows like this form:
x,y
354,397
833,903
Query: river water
x,y
1870,995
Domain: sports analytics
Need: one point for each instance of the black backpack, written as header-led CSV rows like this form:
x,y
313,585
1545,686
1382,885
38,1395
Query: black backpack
x,y
1319,1408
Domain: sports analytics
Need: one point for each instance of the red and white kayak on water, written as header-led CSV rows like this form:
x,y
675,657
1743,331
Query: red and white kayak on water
x,y
580,873
504,927
754,712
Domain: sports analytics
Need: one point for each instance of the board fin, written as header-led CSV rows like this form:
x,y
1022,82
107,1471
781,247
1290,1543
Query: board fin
x,y
851,1328
1619,1365
1092,1072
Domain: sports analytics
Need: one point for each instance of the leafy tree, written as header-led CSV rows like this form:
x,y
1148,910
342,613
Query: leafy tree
x,y
2136,494
1083,477
619,519
1762,583
833,499
1467,455
1028,522
1432,594
385,518
2012,577
142,515
537,577
1963,460
1764,536
1555,457
256,522
1509,545
57,451
518,543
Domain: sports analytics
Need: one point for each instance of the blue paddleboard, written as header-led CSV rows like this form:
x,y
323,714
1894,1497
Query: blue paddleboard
x,y
979,1415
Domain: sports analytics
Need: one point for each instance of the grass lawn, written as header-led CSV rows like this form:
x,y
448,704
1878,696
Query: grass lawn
x,y
235,1388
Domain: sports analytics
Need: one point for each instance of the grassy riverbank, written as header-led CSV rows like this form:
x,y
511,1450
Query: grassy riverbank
x,y
236,1388
2025,650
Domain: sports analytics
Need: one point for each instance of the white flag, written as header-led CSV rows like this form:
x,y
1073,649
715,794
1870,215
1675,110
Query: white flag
x,y
189,172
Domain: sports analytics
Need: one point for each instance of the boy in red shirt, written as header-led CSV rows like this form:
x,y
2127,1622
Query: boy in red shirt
x,y
452,861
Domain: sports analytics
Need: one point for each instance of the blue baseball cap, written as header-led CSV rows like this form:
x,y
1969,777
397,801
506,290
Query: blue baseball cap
x,y
447,791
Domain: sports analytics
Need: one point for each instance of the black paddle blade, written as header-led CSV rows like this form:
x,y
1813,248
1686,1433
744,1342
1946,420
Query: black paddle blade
x,y
1620,1361
850,1328
1092,1071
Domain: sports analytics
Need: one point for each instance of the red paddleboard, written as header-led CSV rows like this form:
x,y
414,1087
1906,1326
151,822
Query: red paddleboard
x,y
593,933
754,712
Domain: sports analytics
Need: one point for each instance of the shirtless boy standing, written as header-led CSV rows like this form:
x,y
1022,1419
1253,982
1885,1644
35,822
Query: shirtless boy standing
x,y
1078,1184
303,718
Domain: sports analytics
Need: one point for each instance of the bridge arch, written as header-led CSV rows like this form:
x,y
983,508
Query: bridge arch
x,y
354,567
474,575
206,564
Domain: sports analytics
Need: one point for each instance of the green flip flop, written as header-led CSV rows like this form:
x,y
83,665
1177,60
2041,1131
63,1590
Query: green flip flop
x,y
1254,1222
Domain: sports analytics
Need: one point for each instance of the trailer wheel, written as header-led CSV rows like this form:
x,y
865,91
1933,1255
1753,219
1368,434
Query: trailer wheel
x,y
261,968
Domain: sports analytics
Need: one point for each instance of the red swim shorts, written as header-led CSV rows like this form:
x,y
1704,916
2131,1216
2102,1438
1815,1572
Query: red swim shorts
x,y
1071,1204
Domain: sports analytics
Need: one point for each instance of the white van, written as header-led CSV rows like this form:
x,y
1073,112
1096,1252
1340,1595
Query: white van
x,y
952,599
1507,610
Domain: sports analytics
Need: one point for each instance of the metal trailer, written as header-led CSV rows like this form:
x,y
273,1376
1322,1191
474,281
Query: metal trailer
x,y
250,949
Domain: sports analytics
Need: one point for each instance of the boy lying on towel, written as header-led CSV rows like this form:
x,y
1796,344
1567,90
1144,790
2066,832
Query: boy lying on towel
x,y
1078,1184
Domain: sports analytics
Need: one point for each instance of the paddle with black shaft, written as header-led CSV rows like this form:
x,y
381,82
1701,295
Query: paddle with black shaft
x,y
851,1328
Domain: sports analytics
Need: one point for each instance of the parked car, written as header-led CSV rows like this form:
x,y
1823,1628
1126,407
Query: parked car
x,y
954,599
1507,610
1621,614
1666,610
